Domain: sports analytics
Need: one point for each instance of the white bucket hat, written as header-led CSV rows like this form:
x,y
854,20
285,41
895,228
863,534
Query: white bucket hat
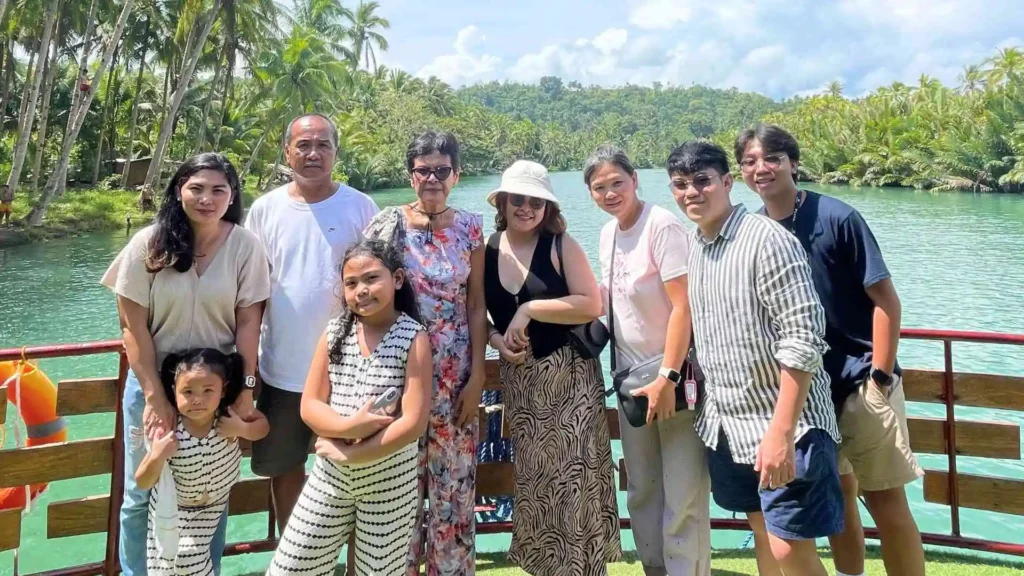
x,y
525,178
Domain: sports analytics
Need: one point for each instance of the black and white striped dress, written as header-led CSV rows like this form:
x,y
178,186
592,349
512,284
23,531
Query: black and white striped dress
x,y
204,471
379,498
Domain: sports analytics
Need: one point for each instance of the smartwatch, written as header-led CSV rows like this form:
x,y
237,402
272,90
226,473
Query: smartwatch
x,y
250,382
881,377
671,375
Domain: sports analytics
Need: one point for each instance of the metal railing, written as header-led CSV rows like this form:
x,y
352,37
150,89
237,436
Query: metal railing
x,y
110,565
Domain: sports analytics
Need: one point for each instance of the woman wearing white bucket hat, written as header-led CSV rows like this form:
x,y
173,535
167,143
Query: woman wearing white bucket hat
x,y
538,285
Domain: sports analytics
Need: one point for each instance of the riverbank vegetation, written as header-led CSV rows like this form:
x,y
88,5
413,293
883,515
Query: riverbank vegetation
x,y
84,83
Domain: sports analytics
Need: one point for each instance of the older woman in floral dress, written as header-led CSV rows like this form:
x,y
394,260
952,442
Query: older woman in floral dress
x,y
443,249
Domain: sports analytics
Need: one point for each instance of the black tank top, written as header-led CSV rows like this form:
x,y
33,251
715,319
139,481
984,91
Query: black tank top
x,y
543,282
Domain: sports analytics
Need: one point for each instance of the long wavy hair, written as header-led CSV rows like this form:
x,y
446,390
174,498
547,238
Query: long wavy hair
x,y
405,298
173,241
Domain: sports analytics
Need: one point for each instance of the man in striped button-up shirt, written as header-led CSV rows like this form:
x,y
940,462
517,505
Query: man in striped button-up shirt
x,y
767,417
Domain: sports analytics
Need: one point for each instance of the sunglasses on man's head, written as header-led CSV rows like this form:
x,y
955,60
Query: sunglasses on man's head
x,y
517,200
441,172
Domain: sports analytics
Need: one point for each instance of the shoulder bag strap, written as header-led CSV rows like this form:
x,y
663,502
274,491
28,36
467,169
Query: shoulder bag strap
x,y
561,260
611,299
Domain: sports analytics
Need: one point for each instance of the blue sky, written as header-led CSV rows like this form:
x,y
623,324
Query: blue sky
x,y
775,47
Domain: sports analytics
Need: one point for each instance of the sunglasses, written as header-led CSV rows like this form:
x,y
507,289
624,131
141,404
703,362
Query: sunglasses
x,y
700,182
518,200
441,172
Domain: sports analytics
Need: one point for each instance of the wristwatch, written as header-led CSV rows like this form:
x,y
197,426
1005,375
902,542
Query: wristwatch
x,y
881,377
671,375
250,382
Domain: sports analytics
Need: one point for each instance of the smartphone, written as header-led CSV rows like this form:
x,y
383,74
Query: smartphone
x,y
384,402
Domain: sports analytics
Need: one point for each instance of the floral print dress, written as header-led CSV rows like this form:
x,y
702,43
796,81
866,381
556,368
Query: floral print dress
x,y
437,264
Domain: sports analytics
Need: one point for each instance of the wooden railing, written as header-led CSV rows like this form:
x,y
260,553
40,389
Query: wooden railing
x,y
99,513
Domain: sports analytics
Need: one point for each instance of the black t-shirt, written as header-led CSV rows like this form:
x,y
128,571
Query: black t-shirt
x,y
845,260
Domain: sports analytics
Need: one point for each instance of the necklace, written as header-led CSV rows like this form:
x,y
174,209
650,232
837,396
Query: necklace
x,y
796,208
430,218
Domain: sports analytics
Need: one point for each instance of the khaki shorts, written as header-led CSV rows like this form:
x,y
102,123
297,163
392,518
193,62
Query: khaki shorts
x,y
876,444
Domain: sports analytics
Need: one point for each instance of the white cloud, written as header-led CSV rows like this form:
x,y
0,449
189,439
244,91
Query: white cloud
x,y
464,66
611,40
610,57
661,14
787,47
780,48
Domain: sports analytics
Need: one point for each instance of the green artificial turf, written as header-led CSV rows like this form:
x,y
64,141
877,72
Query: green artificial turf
x,y
742,563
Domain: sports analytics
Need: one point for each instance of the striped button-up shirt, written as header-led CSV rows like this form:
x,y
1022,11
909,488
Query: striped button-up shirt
x,y
755,309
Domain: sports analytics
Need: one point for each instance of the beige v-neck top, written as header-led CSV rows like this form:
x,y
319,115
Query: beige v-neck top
x,y
187,310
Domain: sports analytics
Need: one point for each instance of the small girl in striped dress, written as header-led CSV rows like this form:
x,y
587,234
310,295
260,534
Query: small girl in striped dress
x,y
364,478
192,468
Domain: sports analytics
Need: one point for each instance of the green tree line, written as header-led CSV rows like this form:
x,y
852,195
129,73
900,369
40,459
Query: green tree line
x,y
85,82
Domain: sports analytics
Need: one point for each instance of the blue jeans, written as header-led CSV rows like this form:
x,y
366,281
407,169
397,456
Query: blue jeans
x,y
135,508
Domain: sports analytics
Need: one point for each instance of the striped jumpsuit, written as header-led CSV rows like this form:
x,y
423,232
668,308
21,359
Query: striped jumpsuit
x,y
377,499
204,470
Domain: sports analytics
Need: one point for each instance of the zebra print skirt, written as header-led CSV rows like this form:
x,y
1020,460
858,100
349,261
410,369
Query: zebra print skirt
x,y
565,517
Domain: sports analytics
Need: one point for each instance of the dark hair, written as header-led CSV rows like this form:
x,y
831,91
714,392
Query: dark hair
x,y
773,139
697,155
405,298
172,243
605,154
430,142
553,223
229,367
330,124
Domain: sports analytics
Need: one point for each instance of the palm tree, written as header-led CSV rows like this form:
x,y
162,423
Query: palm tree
x,y
1007,65
141,36
363,33
972,79
327,18
301,75
188,66
42,54
55,184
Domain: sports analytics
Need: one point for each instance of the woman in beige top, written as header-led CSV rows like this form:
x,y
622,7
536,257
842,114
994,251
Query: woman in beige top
x,y
193,279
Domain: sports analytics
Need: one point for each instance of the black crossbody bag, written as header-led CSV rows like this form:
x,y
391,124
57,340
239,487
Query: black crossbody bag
x,y
625,381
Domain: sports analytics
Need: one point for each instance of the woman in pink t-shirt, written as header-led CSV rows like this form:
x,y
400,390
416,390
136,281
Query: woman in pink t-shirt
x,y
668,488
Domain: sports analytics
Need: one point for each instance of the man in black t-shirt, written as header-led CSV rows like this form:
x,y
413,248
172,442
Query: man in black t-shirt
x,y
862,313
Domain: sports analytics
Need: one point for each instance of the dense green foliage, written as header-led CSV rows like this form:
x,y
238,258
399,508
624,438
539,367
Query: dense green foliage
x,y
259,67
925,136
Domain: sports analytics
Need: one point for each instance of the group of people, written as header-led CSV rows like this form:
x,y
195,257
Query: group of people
x,y
323,323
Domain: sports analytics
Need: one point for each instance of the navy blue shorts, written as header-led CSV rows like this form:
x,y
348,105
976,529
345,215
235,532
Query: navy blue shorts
x,y
811,506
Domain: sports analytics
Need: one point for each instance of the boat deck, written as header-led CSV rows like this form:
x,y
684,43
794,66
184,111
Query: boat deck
x,y
950,436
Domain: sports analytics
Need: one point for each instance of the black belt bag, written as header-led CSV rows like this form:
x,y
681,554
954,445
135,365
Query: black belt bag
x,y
624,382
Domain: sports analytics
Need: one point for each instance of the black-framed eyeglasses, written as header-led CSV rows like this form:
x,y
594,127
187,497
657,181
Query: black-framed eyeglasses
x,y
441,172
771,161
700,182
518,200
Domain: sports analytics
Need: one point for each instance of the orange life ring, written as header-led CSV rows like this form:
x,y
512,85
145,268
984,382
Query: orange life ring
x,y
38,409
